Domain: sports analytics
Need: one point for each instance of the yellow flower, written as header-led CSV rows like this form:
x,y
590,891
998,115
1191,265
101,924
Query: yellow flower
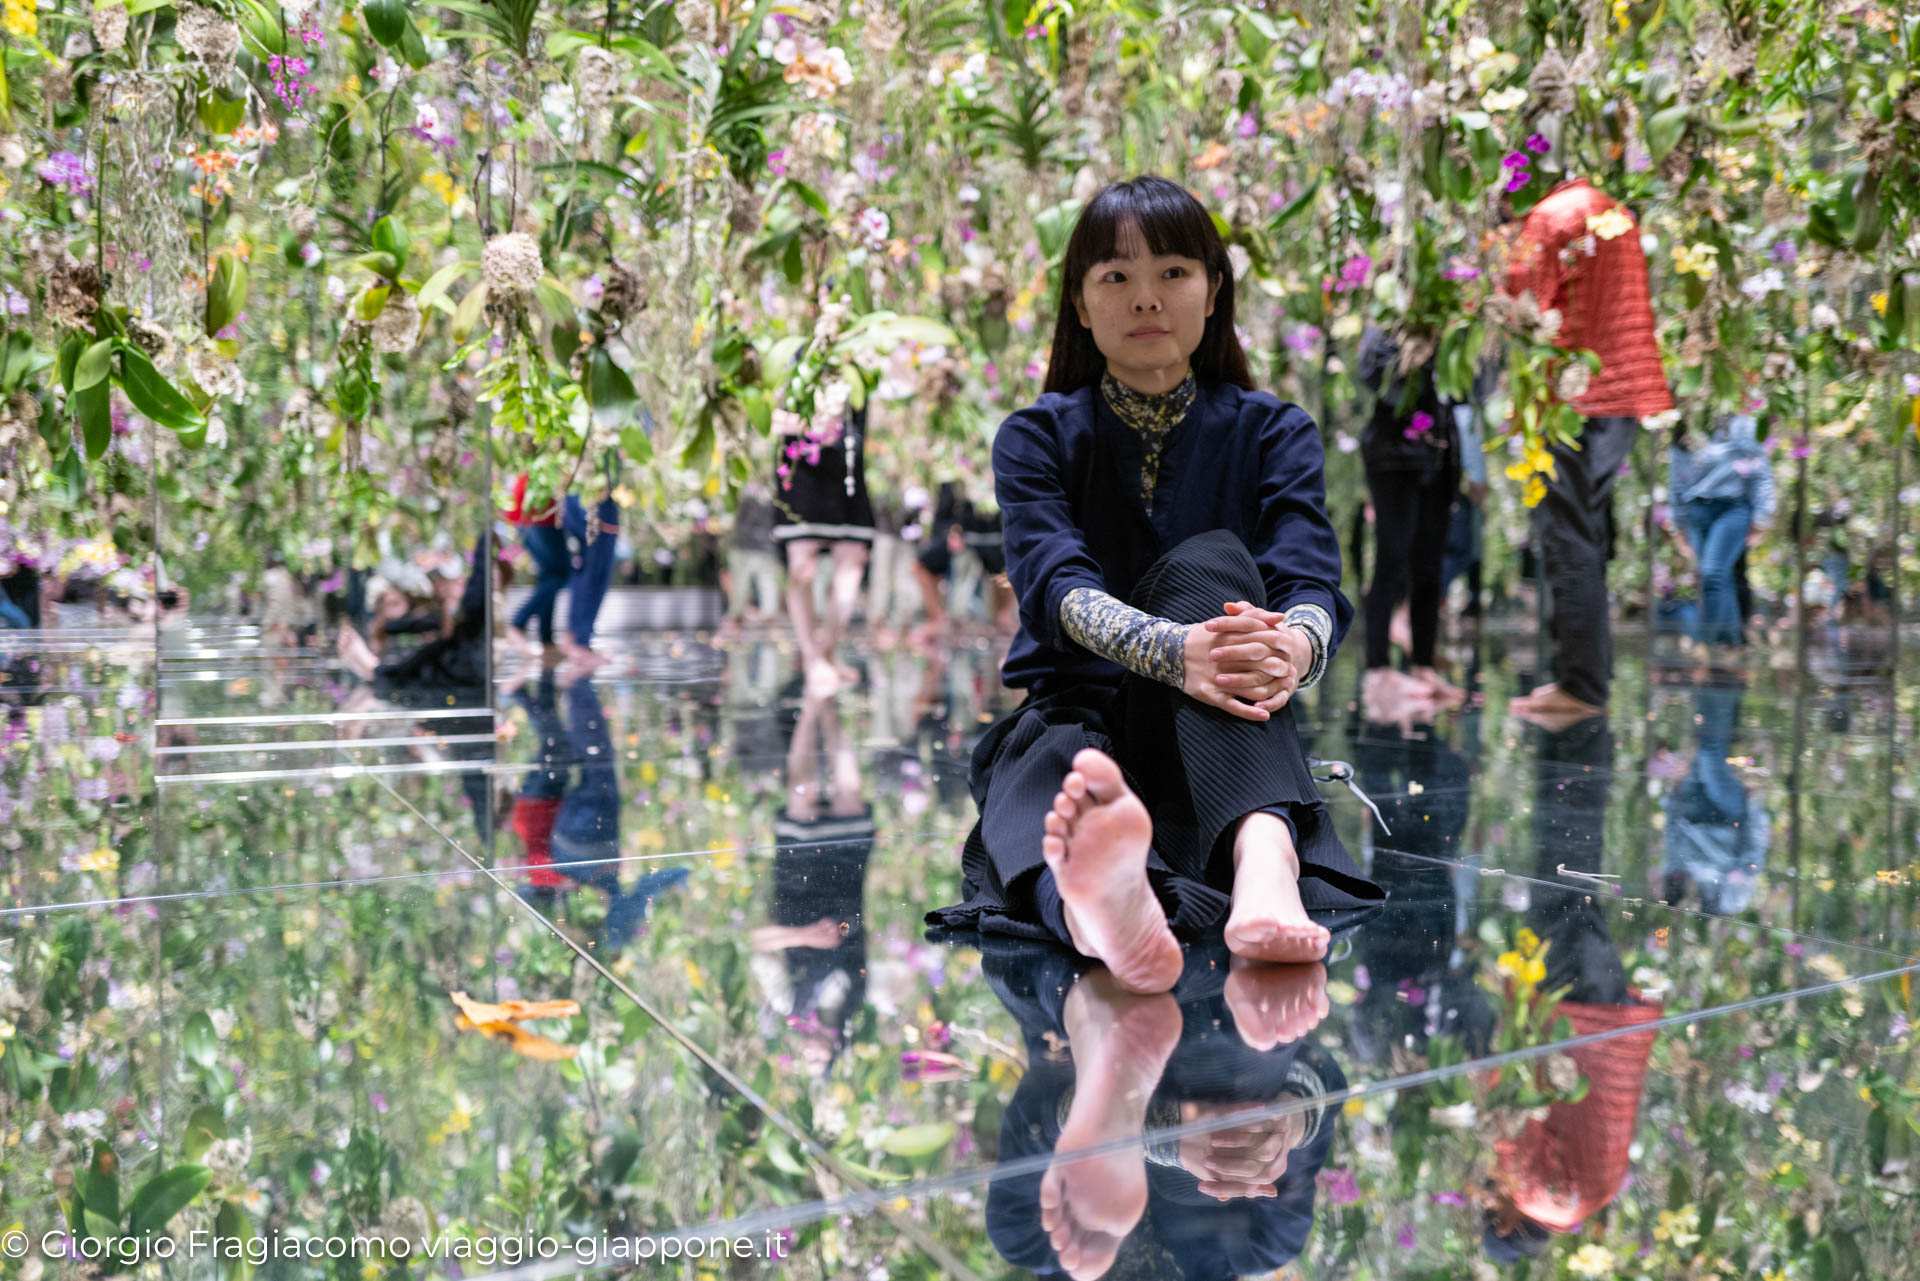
x,y
1610,225
7,1029
1534,493
1527,941
103,859
443,186
19,19
1879,301
1678,1227
1622,13
1592,1260
1697,259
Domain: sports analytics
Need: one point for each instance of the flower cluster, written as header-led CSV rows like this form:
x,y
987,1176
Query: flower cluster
x,y
1533,464
511,264
1695,260
1516,162
290,84
69,171
1353,275
819,69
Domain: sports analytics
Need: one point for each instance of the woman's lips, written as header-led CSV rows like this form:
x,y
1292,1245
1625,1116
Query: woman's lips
x,y
1147,333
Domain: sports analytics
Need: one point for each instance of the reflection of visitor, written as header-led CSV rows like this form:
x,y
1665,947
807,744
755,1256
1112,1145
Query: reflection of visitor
x,y
1153,784
1717,831
812,959
448,671
546,544
959,526
1412,451
569,824
1598,285
1105,1065
820,492
1562,1170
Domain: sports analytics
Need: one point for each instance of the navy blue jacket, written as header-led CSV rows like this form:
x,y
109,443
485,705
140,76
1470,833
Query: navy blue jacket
x,y
1066,474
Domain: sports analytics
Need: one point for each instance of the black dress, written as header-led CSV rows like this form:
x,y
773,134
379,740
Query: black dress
x,y
1238,514
826,498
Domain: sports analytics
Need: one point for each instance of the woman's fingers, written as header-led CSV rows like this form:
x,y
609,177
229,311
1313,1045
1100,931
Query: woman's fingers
x,y
1275,702
1228,703
1239,623
1250,649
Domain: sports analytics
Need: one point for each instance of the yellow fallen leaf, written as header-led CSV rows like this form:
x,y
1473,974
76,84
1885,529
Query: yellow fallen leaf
x,y
513,1011
527,1044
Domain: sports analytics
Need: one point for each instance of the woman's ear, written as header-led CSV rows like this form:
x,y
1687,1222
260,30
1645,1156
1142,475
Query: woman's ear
x,y
1214,292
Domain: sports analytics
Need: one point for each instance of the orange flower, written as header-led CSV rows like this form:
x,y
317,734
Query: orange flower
x,y
1214,156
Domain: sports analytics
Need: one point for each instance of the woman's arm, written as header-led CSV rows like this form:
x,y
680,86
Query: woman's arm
x,y
1047,555
1138,641
1294,542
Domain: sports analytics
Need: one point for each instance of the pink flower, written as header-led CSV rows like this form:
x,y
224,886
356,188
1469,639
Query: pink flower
x,y
1341,1187
1249,125
1459,268
777,161
1520,179
1514,160
1539,145
1421,424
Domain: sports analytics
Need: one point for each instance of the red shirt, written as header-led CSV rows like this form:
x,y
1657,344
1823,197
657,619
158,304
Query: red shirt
x,y
516,514
533,819
1603,300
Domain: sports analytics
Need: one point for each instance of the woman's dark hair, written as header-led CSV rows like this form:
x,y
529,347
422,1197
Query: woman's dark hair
x,y
1172,222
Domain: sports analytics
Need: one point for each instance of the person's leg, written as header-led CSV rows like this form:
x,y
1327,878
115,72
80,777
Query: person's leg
x,y
803,564
1572,524
739,584
12,616
1393,495
880,581
548,546
930,570
589,586
1720,604
849,563
1432,513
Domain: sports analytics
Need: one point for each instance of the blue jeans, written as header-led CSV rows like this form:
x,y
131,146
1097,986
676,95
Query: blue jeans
x,y
11,615
547,544
592,564
1717,528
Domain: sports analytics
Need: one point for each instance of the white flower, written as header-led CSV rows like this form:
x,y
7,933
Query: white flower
x,y
1573,382
511,264
1504,99
1824,317
1460,1116
426,118
1770,281
209,36
13,152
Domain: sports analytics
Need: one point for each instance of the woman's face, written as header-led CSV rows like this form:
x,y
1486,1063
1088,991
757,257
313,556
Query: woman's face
x,y
393,604
1147,311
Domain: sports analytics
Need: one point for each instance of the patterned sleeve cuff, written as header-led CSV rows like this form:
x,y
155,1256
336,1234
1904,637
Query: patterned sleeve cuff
x,y
1318,626
1154,647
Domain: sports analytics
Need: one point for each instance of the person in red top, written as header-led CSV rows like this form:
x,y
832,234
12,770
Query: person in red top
x,y
541,534
1579,254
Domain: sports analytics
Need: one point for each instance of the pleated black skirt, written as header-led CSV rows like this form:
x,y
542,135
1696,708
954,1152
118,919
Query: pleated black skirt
x,y
1198,769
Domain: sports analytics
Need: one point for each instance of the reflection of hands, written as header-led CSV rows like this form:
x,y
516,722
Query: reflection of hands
x,y
1247,1160
823,933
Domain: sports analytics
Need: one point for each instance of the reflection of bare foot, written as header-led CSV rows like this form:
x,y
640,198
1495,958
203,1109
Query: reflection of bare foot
x,y
1553,709
356,653
1121,1042
521,641
1268,922
1096,841
1393,697
1444,690
849,674
1275,1003
582,656
823,679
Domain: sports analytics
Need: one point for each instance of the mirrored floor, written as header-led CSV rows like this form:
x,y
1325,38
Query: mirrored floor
x,y
638,958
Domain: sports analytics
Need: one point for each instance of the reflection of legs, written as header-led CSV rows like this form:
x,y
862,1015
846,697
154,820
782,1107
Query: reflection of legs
x,y
589,586
803,775
1570,830
843,782
547,545
1424,587
849,563
803,565
1120,1043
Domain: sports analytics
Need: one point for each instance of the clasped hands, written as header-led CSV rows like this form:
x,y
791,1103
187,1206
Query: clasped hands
x,y
1247,662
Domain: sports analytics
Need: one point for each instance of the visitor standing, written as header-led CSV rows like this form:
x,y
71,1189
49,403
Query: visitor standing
x,y
1579,254
541,535
753,569
822,502
1721,486
590,546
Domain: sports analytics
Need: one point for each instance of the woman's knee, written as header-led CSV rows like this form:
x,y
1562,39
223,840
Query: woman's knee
x,y
1201,573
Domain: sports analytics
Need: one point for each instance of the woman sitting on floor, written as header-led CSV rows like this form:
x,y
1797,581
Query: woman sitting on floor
x,y
1178,579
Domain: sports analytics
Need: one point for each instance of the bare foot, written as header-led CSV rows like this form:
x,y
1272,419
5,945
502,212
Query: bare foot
x,y
1096,842
1400,628
1444,690
1553,709
848,673
1275,1003
823,680
1121,1042
1268,922
356,653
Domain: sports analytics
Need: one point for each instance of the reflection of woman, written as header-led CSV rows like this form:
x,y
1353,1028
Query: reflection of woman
x,y
1183,1207
1717,832
812,959
1166,533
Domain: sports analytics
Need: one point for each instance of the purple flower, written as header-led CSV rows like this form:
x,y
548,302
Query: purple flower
x,y
1449,1198
777,161
1304,339
1249,125
1784,252
1897,1027
1353,273
70,172
1802,447
1421,424
1539,145
1341,1187
1036,31
1514,160
289,74
1912,383
1406,1239
1459,268
1520,179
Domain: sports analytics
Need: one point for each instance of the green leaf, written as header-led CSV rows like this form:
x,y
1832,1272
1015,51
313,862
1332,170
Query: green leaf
x,y
198,1040
98,1185
203,1127
390,237
441,281
219,113
372,301
609,389
227,294
260,28
232,1223
637,445
918,1140
1664,131
556,302
783,1158
95,363
1299,204
386,20
92,409
153,395
413,46
810,197
165,1195
70,357
467,314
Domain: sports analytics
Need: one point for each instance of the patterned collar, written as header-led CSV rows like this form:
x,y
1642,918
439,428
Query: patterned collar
x,y
1153,417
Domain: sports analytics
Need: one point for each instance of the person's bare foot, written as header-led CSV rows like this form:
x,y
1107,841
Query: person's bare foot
x,y
356,653
581,656
517,639
848,673
1553,709
1386,686
823,680
1400,628
1275,1003
1096,842
1444,690
1121,1042
1268,921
